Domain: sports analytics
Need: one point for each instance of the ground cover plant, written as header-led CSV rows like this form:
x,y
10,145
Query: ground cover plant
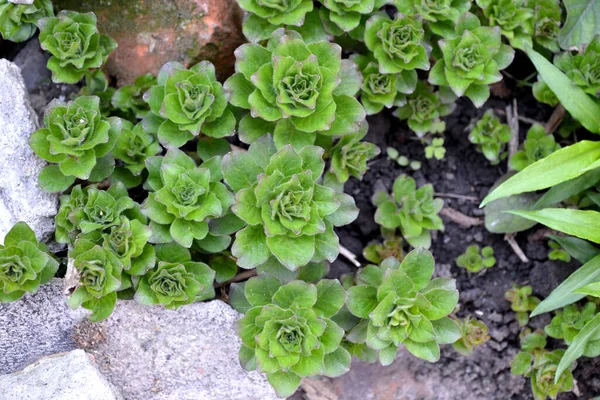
x,y
179,182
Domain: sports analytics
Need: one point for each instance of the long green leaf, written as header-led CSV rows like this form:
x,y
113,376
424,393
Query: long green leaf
x,y
563,295
583,224
560,166
579,249
577,347
565,190
583,23
574,99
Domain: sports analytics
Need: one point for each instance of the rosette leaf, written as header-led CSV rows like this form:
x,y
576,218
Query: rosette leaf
x,y
184,197
423,109
91,209
129,98
472,60
474,333
513,17
134,146
290,216
538,145
400,304
77,138
583,69
18,21
383,90
349,156
75,44
347,14
397,44
173,284
187,102
100,277
547,22
273,13
491,137
288,334
295,90
568,322
25,264
440,16
474,260
413,210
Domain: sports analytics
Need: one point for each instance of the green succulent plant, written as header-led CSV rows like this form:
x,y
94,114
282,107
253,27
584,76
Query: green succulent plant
x,y
186,102
75,44
543,93
295,90
513,17
423,109
349,156
569,321
174,284
474,260
100,277
287,331
184,198
290,216
583,69
557,252
379,91
522,302
474,333
78,139
96,84
435,149
18,21
25,264
491,137
541,365
440,16
129,98
546,23
538,145
397,44
347,15
472,60
401,305
91,209
413,210
392,246
134,146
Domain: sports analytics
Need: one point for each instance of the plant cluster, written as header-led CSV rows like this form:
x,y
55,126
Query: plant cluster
x,y
522,302
474,333
491,136
475,259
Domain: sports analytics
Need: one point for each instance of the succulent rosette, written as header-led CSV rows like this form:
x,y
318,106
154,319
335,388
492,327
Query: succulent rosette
x,y
187,102
514,18
541,367
75,44
288,332
100,277
91,209
18,21
423,109
173,284
491,137
547,22
349,156
474,333
347,14
184,198
583,69
397,44
383,90
290,216
134,146
24,263
295,90
440,16
400,304
78,139
472,60
538,145
568,322
129,98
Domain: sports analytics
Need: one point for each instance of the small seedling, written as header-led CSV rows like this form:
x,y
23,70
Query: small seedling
x,y
522,302
435,149
474,260
474,333
557,252
491,137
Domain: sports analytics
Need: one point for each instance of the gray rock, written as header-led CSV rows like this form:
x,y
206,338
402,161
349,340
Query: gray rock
x,y
21,199
187,354
37,325
65,376
32,61
21,1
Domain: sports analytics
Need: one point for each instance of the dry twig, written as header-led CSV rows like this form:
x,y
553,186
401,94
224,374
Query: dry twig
x,y
555,119
510,238
457,196
348,255
512,117
460,218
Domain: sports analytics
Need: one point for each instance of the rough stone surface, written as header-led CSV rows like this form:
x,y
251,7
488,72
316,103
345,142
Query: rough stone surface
x,y
65,376
187,354
32,61
21,199
35,326
151,33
